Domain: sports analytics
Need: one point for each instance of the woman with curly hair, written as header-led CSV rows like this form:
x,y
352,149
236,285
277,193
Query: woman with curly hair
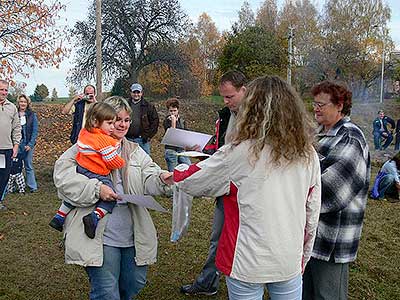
x,y
269,178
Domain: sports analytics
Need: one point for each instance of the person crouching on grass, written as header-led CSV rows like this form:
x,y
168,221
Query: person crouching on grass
x,y
98,155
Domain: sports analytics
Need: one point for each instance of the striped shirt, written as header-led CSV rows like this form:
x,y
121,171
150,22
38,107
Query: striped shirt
x,y
345,174
98,152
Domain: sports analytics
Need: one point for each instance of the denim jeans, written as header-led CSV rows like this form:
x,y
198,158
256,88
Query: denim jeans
x,y
378,140
144,146
30,172
282,290
397,142
209,276
5,172
387,186
119,278
173,160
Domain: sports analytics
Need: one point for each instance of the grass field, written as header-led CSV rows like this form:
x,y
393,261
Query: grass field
x,y
32,264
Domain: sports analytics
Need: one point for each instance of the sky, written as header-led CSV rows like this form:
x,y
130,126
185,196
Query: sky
x,y
223,12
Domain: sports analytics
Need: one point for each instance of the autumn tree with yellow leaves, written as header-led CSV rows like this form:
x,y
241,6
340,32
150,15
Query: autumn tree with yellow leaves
x,y
29,36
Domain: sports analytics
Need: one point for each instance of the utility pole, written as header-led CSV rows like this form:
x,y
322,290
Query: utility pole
x,y
383,64
98,51
290,50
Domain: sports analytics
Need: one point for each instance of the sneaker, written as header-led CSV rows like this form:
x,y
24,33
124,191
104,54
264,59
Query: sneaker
x,y
57,223
2,206
90,224
192,289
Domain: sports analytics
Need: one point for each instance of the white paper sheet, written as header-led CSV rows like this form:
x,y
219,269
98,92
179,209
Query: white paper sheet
x,y
2,161
185,138
145,201
193,154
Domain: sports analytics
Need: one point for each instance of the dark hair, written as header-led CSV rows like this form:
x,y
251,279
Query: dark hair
x,y
339,93
236,78
396,159
172,102
99,112
89,85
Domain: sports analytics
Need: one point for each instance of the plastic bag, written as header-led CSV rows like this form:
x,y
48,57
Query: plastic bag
x,y
181,211
375,188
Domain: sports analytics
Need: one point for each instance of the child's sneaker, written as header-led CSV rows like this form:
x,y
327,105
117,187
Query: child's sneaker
x,y
57,223
90,224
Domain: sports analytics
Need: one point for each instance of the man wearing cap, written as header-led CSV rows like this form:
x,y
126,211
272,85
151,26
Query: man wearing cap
x,y
144,119
78,106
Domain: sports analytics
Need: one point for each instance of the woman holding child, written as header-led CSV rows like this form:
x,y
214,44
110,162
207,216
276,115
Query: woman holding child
x,y
125,242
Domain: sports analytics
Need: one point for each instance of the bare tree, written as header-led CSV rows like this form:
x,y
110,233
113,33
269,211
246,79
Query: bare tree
x,y
135,34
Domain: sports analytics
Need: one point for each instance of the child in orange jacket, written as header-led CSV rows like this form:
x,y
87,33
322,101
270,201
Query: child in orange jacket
x,y
98,155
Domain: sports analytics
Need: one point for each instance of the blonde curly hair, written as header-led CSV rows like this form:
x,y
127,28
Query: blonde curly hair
x,y
273,114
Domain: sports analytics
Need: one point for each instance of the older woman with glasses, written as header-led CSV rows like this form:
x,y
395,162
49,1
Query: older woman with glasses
x,y
345,172
125,244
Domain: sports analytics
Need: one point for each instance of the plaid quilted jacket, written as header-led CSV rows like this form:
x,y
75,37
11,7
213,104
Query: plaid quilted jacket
x,y
345,171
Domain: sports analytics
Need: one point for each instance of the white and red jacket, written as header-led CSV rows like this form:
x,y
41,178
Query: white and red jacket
x,y
271,213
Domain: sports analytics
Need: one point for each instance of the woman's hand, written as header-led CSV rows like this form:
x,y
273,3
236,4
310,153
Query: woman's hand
x,y
167,178
107,194
27,148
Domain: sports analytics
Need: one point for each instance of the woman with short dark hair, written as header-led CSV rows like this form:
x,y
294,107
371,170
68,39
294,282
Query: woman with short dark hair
x,y
345,172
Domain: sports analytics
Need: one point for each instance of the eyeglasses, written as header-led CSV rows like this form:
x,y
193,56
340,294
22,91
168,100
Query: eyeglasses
x,y
319,104
136,92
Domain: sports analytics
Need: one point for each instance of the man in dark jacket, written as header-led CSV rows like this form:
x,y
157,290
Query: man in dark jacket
x,y
78,106
380,130
144,119
232,89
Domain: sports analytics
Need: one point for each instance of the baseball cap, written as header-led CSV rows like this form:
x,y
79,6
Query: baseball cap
x,y
136,87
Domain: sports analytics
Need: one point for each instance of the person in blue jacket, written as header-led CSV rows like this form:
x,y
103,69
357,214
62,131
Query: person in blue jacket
x,y
30,129
78,107
380,129
387,182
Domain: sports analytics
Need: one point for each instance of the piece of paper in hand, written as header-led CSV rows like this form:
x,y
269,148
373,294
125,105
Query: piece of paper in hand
x,y
193,154
185,138
142,200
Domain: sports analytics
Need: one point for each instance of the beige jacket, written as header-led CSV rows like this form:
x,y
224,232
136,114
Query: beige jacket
x,y
140,176
10,127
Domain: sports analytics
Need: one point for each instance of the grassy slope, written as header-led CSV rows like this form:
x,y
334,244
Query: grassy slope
x,y
32,264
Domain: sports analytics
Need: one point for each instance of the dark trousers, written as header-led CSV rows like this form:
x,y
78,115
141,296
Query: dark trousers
x,y
209,276
107,205
325,280
5,172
